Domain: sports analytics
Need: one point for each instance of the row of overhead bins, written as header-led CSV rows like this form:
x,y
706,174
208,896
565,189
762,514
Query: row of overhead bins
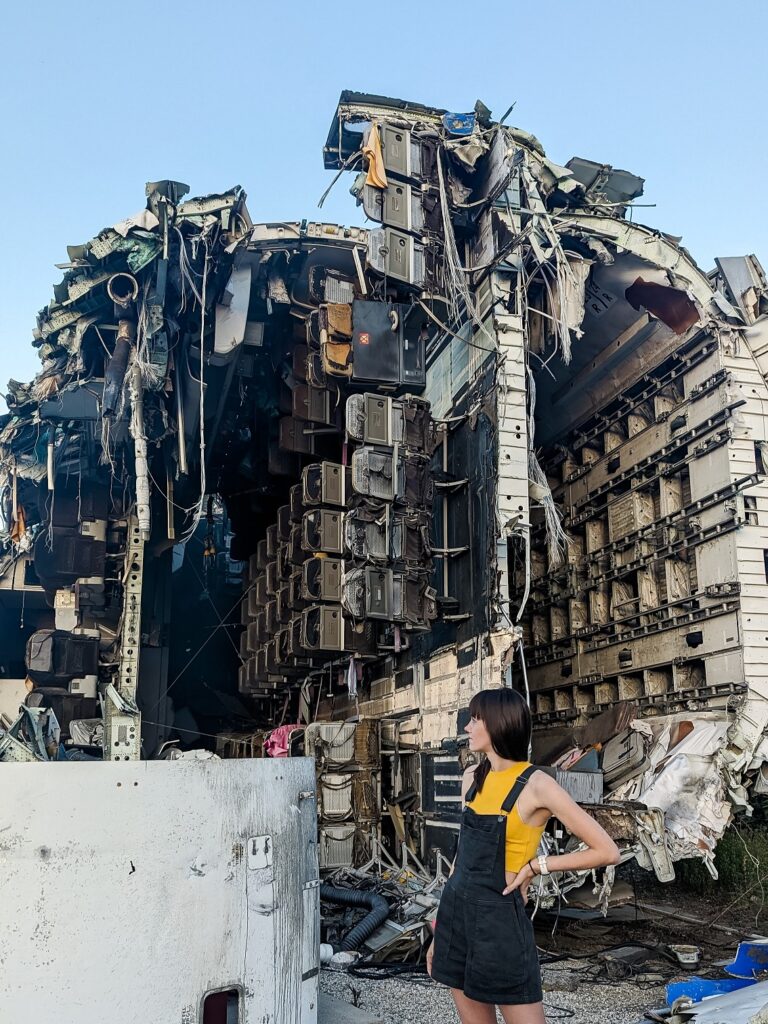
x,y
383,506
347,763
346,567
345,570
651,489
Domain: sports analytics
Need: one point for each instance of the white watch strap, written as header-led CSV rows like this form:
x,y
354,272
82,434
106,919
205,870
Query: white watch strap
x,y
543,869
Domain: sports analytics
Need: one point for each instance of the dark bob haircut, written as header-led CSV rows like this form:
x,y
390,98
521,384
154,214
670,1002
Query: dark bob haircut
x,y
507,717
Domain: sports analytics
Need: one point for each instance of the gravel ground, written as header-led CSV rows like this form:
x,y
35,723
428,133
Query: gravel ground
x,y
401,1001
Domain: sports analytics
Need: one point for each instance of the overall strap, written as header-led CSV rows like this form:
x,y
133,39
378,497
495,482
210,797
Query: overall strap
x,y
511,798
513,794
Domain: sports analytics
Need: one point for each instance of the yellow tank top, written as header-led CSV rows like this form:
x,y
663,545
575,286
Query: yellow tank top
x,y
522,840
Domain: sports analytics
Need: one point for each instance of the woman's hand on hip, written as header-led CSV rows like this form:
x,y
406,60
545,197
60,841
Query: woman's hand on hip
x,y
521,881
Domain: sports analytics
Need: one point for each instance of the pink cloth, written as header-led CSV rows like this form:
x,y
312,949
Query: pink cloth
x,y
276,744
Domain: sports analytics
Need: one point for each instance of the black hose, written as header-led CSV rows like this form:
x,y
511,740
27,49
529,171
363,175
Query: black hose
x,y
114,375
377,905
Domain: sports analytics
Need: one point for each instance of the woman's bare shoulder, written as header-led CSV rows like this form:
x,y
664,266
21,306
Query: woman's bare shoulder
x,y
546,791
469,771
541,780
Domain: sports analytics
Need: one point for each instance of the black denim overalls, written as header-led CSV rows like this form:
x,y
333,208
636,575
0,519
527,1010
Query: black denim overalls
x,y
484,942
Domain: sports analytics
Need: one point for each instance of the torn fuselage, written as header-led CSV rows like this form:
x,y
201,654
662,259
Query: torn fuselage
x,y
504,436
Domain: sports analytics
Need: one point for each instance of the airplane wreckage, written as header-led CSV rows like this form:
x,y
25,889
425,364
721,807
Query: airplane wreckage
x,y
300,488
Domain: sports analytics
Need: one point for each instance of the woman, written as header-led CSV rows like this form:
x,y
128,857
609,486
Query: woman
x,y
484,947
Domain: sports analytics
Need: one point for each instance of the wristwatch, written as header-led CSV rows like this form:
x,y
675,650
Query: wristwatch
x,y
542,861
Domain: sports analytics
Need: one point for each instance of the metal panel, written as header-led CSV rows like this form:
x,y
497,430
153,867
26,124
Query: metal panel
x,y
512,508
442,836
396,150
334,797
336,845
217,851
397,255
376,342
331,743
441,786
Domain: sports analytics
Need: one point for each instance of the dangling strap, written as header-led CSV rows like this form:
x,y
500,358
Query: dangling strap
x,y
511,797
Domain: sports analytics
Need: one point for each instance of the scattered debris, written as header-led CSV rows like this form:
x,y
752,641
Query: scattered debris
x,y
743,1006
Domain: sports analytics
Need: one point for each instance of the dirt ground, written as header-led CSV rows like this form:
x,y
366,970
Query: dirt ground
x,y
657,916
591,980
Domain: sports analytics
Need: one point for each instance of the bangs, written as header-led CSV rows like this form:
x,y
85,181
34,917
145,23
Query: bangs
x,y
478,705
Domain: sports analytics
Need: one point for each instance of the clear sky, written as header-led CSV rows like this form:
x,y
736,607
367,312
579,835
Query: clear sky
x,y
100,97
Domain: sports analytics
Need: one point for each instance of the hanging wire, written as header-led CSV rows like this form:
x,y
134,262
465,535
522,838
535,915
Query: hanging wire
x,y
557,538
202,296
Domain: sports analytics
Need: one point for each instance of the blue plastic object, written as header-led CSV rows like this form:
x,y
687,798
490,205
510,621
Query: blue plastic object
x,y
459,124
751,961
699,988
587,762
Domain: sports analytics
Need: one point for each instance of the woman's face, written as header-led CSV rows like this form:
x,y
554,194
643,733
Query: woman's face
x,y
479,739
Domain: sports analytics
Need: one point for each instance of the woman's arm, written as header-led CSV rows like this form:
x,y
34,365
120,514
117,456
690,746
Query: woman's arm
x,y
602,850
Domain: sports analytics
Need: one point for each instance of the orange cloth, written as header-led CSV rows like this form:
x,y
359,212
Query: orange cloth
x,y
522,840
19,527
377,175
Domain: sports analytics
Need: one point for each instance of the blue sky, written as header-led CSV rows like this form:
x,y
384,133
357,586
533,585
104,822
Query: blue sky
x,y
100,97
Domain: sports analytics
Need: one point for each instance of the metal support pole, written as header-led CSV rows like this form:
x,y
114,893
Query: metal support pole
x,y
122,719
136,390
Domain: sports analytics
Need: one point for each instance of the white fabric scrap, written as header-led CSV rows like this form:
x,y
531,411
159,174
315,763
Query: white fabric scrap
x,y
691,792
145,220
352,678
686,782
